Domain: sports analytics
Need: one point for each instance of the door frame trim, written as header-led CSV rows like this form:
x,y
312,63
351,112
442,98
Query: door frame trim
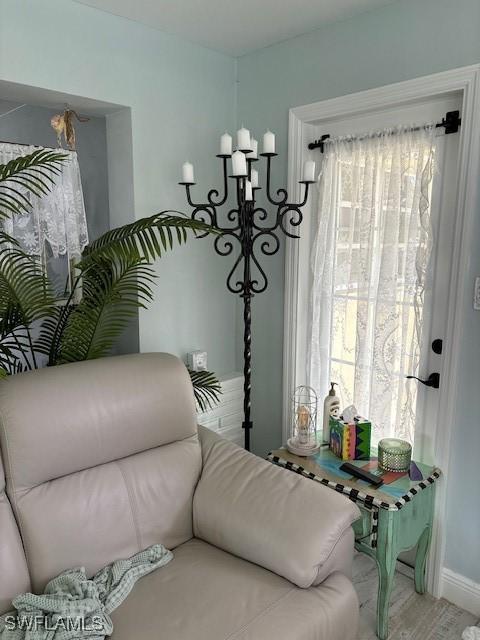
x,y
467,81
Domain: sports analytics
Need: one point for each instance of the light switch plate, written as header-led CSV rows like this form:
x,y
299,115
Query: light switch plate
x,y
476,294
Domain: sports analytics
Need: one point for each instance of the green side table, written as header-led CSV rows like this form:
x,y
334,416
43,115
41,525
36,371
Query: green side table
x,y
395,517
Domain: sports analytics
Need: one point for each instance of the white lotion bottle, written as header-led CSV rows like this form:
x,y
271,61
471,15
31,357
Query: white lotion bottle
x,y
331,406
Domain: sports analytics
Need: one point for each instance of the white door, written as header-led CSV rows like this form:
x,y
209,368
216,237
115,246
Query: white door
x,y
423,399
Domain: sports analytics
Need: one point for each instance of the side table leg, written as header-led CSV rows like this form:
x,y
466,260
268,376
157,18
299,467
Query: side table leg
x,y
421,560
386,560
386,575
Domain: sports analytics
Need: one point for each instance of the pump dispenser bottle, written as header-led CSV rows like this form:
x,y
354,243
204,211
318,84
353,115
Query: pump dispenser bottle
x,y
331,406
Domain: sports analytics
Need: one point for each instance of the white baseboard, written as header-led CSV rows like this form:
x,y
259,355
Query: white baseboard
x,y
461,591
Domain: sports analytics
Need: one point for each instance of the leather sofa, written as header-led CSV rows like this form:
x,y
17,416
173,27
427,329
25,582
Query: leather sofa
x,y
103,458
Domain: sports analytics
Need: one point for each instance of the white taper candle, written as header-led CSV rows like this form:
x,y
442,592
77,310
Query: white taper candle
x,y
239,164
187,173
309,171
248,190
226,144
269,142
243,139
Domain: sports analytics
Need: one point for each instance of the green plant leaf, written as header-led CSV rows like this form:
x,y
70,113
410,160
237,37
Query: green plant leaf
x,y
206,388
147,238
115,272
25,294
33,173
112,293
7,241
11,348
7,357
25,297
49,340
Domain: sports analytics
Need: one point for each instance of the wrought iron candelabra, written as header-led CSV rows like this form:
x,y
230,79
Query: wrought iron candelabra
x,y
247,229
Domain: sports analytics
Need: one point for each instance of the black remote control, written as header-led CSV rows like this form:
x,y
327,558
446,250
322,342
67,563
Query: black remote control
x,y
361,474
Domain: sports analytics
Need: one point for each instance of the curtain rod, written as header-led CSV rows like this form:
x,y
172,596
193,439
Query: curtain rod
x,y
451,122
37,146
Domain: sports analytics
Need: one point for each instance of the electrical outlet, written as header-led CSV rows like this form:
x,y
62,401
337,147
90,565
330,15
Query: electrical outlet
x,y
476,294
197,360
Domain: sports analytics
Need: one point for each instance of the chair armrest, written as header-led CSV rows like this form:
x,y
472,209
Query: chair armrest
x,y
270,516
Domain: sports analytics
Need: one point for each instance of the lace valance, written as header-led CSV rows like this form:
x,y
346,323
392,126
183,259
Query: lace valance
x,y
58,218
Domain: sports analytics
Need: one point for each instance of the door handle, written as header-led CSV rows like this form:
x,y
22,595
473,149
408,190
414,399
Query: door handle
x,y
433,380
437,346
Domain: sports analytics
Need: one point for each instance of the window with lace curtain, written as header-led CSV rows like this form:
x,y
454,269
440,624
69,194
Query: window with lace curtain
x,y
55,229
370,264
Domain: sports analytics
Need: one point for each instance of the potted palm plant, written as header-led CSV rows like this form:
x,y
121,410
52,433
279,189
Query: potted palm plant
x,y
115,276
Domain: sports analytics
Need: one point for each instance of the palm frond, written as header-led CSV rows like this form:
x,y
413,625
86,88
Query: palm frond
x,y
49,340
17,367
25,294
7,241
147,238
33,173
206,388
112,293
11,350
7,357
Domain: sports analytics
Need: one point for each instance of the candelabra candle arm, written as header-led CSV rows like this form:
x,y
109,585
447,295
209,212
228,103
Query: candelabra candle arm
x,y
294,205
193,204
305,197
213,194
282,193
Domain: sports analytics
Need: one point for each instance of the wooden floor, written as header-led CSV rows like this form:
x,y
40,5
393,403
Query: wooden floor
x,y
412,616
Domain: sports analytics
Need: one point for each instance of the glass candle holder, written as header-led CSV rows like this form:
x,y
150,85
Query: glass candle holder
x,y
303,438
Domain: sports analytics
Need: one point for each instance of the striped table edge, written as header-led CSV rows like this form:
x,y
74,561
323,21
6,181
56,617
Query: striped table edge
x,y
354,494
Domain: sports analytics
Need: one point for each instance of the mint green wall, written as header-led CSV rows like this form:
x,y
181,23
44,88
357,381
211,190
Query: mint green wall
x,y
406,39
182,99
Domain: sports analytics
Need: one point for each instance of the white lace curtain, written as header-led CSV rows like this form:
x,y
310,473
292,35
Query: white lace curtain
x,y
370,259
57,219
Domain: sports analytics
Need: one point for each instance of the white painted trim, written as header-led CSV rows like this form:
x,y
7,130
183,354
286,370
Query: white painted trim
x,y
296,144
467,81
388,96
461,591
467,206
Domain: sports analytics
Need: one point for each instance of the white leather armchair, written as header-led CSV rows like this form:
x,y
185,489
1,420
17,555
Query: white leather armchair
x,y
103,459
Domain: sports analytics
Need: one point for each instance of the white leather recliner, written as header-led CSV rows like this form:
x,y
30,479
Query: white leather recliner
x,y
103,459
